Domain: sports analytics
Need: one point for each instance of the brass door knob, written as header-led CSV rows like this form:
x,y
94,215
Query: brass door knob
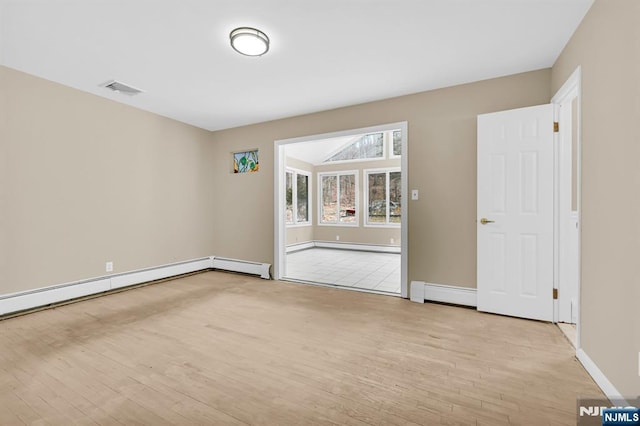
x,y
484,221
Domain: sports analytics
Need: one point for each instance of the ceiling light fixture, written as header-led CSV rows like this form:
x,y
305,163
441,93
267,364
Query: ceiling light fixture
x,y
249,41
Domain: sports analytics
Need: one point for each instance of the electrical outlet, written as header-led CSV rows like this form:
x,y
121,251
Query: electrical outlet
x,y
109,267
337,237
391,241
414,194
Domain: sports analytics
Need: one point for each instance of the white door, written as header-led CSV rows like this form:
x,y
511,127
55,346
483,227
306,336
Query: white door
x,y
515,212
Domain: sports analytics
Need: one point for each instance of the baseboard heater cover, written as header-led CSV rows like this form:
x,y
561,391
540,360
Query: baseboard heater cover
x,y
447,293
22,301
243,266
158,273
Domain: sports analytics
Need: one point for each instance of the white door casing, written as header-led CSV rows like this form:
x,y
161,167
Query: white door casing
x,y
567,103
279,266
567,226
515,194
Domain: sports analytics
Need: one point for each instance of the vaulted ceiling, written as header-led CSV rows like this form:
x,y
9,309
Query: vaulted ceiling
x,y
324,54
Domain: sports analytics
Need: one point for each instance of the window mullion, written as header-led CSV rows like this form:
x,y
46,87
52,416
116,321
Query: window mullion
x,y
337,198
294,198
388,196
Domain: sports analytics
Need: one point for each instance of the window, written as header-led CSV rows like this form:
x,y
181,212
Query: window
x,y
396,145
297,209
372,146
383,192
338,198
365,147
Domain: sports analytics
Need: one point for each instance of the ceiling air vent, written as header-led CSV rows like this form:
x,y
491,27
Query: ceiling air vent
x,y
119,87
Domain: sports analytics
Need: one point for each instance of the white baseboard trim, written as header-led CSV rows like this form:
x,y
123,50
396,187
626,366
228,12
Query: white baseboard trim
x,y
22,301
449,294
300,246
601,380
379,248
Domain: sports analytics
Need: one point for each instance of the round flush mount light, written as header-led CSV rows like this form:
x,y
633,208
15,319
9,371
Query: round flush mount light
x,y
249,41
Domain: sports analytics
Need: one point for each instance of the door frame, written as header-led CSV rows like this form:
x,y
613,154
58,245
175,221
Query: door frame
x,y
572,88
279,201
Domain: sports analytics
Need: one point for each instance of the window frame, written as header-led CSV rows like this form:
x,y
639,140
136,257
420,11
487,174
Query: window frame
x,y
294,197
337,174
365,178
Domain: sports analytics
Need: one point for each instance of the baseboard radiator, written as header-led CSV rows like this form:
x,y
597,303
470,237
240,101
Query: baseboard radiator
x,y
41,297
242,266
421,291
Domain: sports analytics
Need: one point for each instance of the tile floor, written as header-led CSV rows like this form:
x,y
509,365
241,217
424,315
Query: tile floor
x,y
347,268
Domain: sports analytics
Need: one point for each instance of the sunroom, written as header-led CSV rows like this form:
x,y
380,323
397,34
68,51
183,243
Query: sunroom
x,y
343,211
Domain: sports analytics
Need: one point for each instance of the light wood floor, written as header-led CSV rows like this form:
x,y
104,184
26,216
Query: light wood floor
x,y
218,348
570,332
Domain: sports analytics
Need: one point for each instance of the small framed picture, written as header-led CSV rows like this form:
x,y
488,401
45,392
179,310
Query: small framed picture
x,y
246,161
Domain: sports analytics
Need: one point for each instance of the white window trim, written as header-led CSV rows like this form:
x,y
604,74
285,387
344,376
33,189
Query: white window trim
x,y
294,197
338,174
365,208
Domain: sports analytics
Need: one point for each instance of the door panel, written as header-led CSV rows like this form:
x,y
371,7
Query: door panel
x,y
499,193
515,195
497,251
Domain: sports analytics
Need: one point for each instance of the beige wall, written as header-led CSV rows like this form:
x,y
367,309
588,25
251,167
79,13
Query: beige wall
x,y
442,165
85,180
607,47
92,180
299,234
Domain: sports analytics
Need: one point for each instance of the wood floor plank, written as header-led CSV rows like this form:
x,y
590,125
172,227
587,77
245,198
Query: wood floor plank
x,y
219,348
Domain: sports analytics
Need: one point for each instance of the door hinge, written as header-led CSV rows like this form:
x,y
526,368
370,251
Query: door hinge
x,y
555,294
556,127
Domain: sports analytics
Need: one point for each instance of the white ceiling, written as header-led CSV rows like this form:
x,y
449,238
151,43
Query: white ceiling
x,y
324,54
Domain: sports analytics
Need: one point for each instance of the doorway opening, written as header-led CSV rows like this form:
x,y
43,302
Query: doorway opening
x,y
340,209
